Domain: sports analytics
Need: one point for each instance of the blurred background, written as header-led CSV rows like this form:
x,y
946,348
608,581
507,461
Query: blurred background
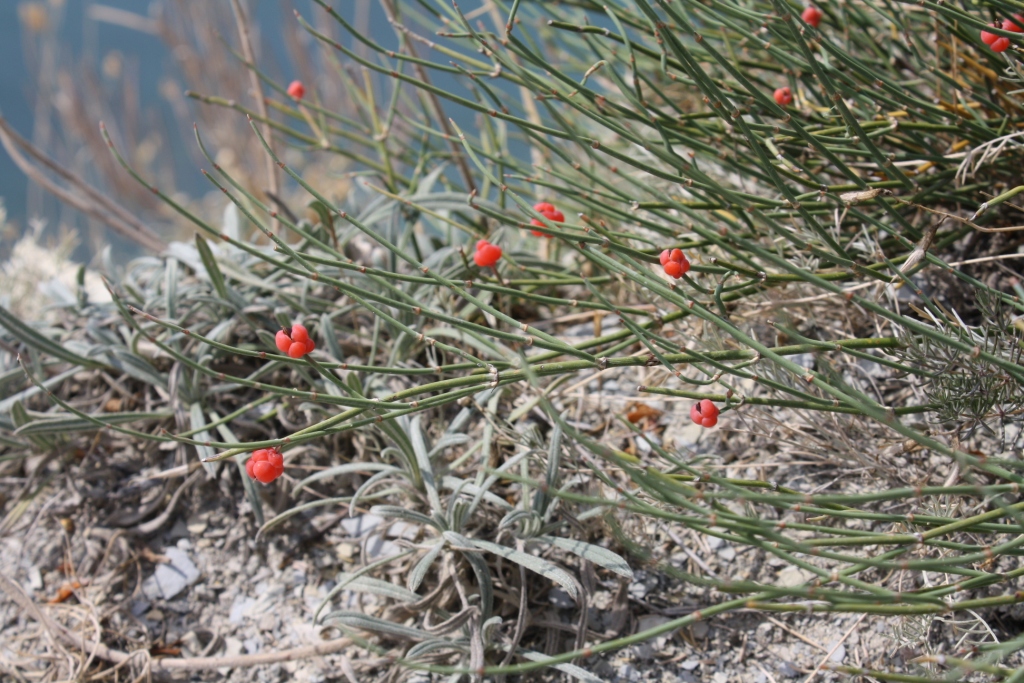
x,y
65,65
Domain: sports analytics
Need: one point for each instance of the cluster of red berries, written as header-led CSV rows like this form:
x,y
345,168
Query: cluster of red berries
x,y
265,465
486,254
296,90
297,344
674,263
704,413
1001,43
783,97
549,212
812,15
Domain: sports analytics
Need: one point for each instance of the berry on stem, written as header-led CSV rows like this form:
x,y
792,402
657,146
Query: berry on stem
x,y
812,15
297,344
1015,23
486,254
548,211
783,96
704,413
1001,43
296,90
265,465
674,263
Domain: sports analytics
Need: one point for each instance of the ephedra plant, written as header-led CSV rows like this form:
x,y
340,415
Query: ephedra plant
x,y
801,218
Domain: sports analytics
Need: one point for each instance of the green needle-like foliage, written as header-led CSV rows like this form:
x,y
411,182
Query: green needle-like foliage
x,y
822,235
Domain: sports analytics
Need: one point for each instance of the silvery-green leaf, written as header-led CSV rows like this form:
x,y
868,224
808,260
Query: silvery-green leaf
x,y
345,468
592,553
196,418
72,423
368,584
419,572
366,486
394,511
447,441
36,340
374,625
534,564
450,483
570,669
428,646
298,510
419,447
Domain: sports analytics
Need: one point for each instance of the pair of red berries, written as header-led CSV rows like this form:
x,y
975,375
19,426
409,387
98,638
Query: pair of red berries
x,y
548,211
265,465
1001,43
674,263
486,254
783,97
704,413
297,344
296,90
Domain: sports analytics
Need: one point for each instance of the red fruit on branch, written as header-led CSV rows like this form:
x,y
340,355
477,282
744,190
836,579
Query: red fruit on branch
x,y
674,262
1000,43
812,15
783,97
297,344
704,413
548,211
486,254
1015,24
296,90
265,465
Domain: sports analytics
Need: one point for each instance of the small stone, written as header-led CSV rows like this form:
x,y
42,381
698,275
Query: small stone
x,y
347,551
793,576
363,524
700,630
170,579
839,655
786,670
35,578
690,664
252,645
628,672
378,548
240,608
727,553
196,526
154,615
267,622
560,599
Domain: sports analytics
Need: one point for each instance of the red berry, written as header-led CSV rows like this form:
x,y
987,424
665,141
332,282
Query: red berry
x,y
549,212
989,38
677,255
296,90
265,465
487,254
283,341
1015,24
704,413
784,97
674,268
812,15
1000,44
297,349
310,346
665,256
299,333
